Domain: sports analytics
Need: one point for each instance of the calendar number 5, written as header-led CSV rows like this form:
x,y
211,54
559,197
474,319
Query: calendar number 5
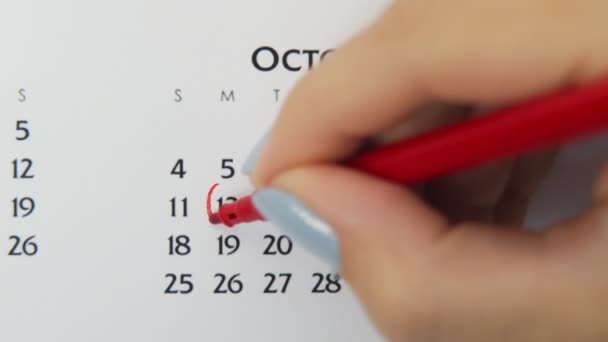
x,y
23,130
227,166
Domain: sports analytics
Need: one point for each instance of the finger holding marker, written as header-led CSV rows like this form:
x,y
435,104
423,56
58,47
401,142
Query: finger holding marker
x,y
403,61
419,277
416,54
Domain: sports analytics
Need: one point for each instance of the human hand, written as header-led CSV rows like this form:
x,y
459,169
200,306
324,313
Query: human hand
x,y
448,262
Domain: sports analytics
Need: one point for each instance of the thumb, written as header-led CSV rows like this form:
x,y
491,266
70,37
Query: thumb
x,y
378,227
367,215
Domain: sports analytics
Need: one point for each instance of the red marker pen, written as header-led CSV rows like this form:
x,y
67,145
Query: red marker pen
x,y
233,213
532,125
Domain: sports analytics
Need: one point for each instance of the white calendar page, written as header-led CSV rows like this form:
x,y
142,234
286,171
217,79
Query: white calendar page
x,y
111,94
115,119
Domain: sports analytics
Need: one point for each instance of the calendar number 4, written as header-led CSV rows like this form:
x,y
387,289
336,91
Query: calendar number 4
x,y
178,169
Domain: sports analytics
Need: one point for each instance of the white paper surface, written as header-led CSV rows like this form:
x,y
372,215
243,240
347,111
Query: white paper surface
x,y
100,81
96,83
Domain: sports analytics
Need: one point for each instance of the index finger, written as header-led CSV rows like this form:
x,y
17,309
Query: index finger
x,y
327,115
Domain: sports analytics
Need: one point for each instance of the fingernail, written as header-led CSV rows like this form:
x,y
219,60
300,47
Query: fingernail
x,y
299,223
254,155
